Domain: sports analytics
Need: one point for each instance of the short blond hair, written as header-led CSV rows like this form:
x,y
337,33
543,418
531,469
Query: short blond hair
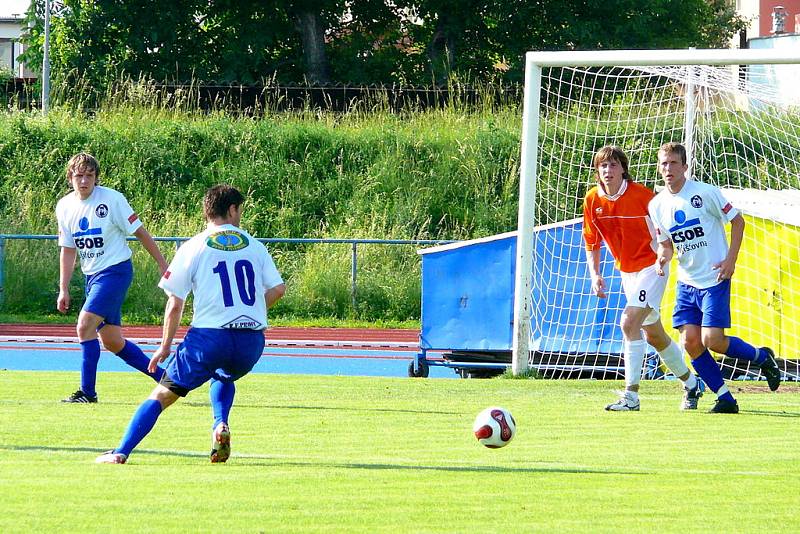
x,y
674,148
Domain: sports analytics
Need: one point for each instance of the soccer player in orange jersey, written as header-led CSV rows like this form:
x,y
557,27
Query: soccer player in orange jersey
x,y
615,212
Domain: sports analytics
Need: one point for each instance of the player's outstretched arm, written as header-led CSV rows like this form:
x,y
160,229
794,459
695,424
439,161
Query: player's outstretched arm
x,y
66,265
172,319
151,247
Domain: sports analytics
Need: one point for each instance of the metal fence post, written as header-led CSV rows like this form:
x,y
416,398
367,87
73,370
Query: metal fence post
x,y
353,269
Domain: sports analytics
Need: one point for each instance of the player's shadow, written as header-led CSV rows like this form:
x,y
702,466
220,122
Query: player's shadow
x,y
770,413
250,460
98,450
326,408
197,404
488,469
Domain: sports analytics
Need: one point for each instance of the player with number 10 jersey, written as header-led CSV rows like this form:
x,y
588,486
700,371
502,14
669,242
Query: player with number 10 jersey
x,y
228,271
234,282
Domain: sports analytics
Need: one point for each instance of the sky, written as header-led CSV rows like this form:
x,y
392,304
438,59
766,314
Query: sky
x,y
11,7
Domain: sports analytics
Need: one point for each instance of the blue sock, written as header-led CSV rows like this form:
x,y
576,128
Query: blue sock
x,y
221,394
91,355
141,424
742,350
133,356
708,369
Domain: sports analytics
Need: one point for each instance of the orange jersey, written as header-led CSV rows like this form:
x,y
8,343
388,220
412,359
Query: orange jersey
x,y
623,223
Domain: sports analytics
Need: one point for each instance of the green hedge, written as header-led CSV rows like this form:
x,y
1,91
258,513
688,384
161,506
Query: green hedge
x,y
442,174
435,175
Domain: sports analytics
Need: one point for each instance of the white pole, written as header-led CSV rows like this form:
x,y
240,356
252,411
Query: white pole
x,y
46,60
525,219
686,56
688,118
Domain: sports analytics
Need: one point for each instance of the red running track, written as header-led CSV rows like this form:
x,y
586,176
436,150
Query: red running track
x,y
373,335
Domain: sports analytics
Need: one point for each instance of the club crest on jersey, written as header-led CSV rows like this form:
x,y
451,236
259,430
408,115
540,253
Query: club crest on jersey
x,y
101,211
697,202
598,211
227,240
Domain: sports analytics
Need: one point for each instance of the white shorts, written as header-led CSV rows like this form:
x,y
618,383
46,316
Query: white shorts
x,y
645,289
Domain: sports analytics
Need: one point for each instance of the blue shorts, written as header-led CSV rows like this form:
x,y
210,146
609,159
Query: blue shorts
x,y
710,307
205,353
106,291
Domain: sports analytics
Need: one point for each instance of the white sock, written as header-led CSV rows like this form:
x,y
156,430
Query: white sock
x,y
690,382
672,356
634,358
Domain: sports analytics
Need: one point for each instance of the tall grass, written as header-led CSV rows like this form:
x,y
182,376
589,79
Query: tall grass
x,y
445,173
448,173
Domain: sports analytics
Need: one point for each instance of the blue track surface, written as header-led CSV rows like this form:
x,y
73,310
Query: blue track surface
x,y
29,356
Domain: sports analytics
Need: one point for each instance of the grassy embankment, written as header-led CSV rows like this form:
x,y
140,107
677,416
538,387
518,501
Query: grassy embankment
x,y
444,174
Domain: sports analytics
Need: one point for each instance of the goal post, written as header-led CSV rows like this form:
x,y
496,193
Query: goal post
x,y
742,134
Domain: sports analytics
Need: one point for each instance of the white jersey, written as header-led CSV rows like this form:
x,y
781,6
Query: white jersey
x,y
229,272
98,227
694,219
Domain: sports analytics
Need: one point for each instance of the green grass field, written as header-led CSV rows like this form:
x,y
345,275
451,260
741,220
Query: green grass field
x,y
354,454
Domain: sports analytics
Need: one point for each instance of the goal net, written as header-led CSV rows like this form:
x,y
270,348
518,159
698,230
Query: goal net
x,y
741,128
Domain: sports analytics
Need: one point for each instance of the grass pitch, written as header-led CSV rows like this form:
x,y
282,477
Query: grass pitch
x,y
353,454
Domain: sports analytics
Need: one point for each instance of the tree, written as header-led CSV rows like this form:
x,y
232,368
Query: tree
x,y
488,38
349,41
211,41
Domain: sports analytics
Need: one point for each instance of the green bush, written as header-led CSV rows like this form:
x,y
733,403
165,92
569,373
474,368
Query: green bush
x,y
445,174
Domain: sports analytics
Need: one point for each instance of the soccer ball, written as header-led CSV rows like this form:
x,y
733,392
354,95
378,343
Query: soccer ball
x,y
494,427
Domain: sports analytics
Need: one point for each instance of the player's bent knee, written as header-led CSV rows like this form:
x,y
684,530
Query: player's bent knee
x,y
112,343
87,325
657,340
631,327
165,396
693,346
719,346
169,385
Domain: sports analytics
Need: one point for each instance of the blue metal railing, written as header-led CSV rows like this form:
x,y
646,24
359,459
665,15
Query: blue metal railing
x,y
178,240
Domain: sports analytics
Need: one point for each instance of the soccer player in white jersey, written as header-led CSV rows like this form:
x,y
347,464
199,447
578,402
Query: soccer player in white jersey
x,y
234,282
93,224
690,218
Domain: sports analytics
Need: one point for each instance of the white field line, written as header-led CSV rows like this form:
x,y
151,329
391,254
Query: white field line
x,y
269,342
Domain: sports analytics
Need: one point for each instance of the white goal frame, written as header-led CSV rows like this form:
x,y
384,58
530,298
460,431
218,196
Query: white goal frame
x,y
534,62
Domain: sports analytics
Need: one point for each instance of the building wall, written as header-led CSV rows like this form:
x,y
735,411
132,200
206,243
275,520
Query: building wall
x,y
792,8
11,47
759,13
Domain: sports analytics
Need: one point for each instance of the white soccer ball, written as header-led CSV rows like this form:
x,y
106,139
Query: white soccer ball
x,y
494,427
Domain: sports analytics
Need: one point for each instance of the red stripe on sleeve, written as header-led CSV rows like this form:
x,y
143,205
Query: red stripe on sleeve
x,y
133,218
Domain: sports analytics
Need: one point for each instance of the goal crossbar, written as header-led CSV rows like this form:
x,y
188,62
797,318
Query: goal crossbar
x,y
640,58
